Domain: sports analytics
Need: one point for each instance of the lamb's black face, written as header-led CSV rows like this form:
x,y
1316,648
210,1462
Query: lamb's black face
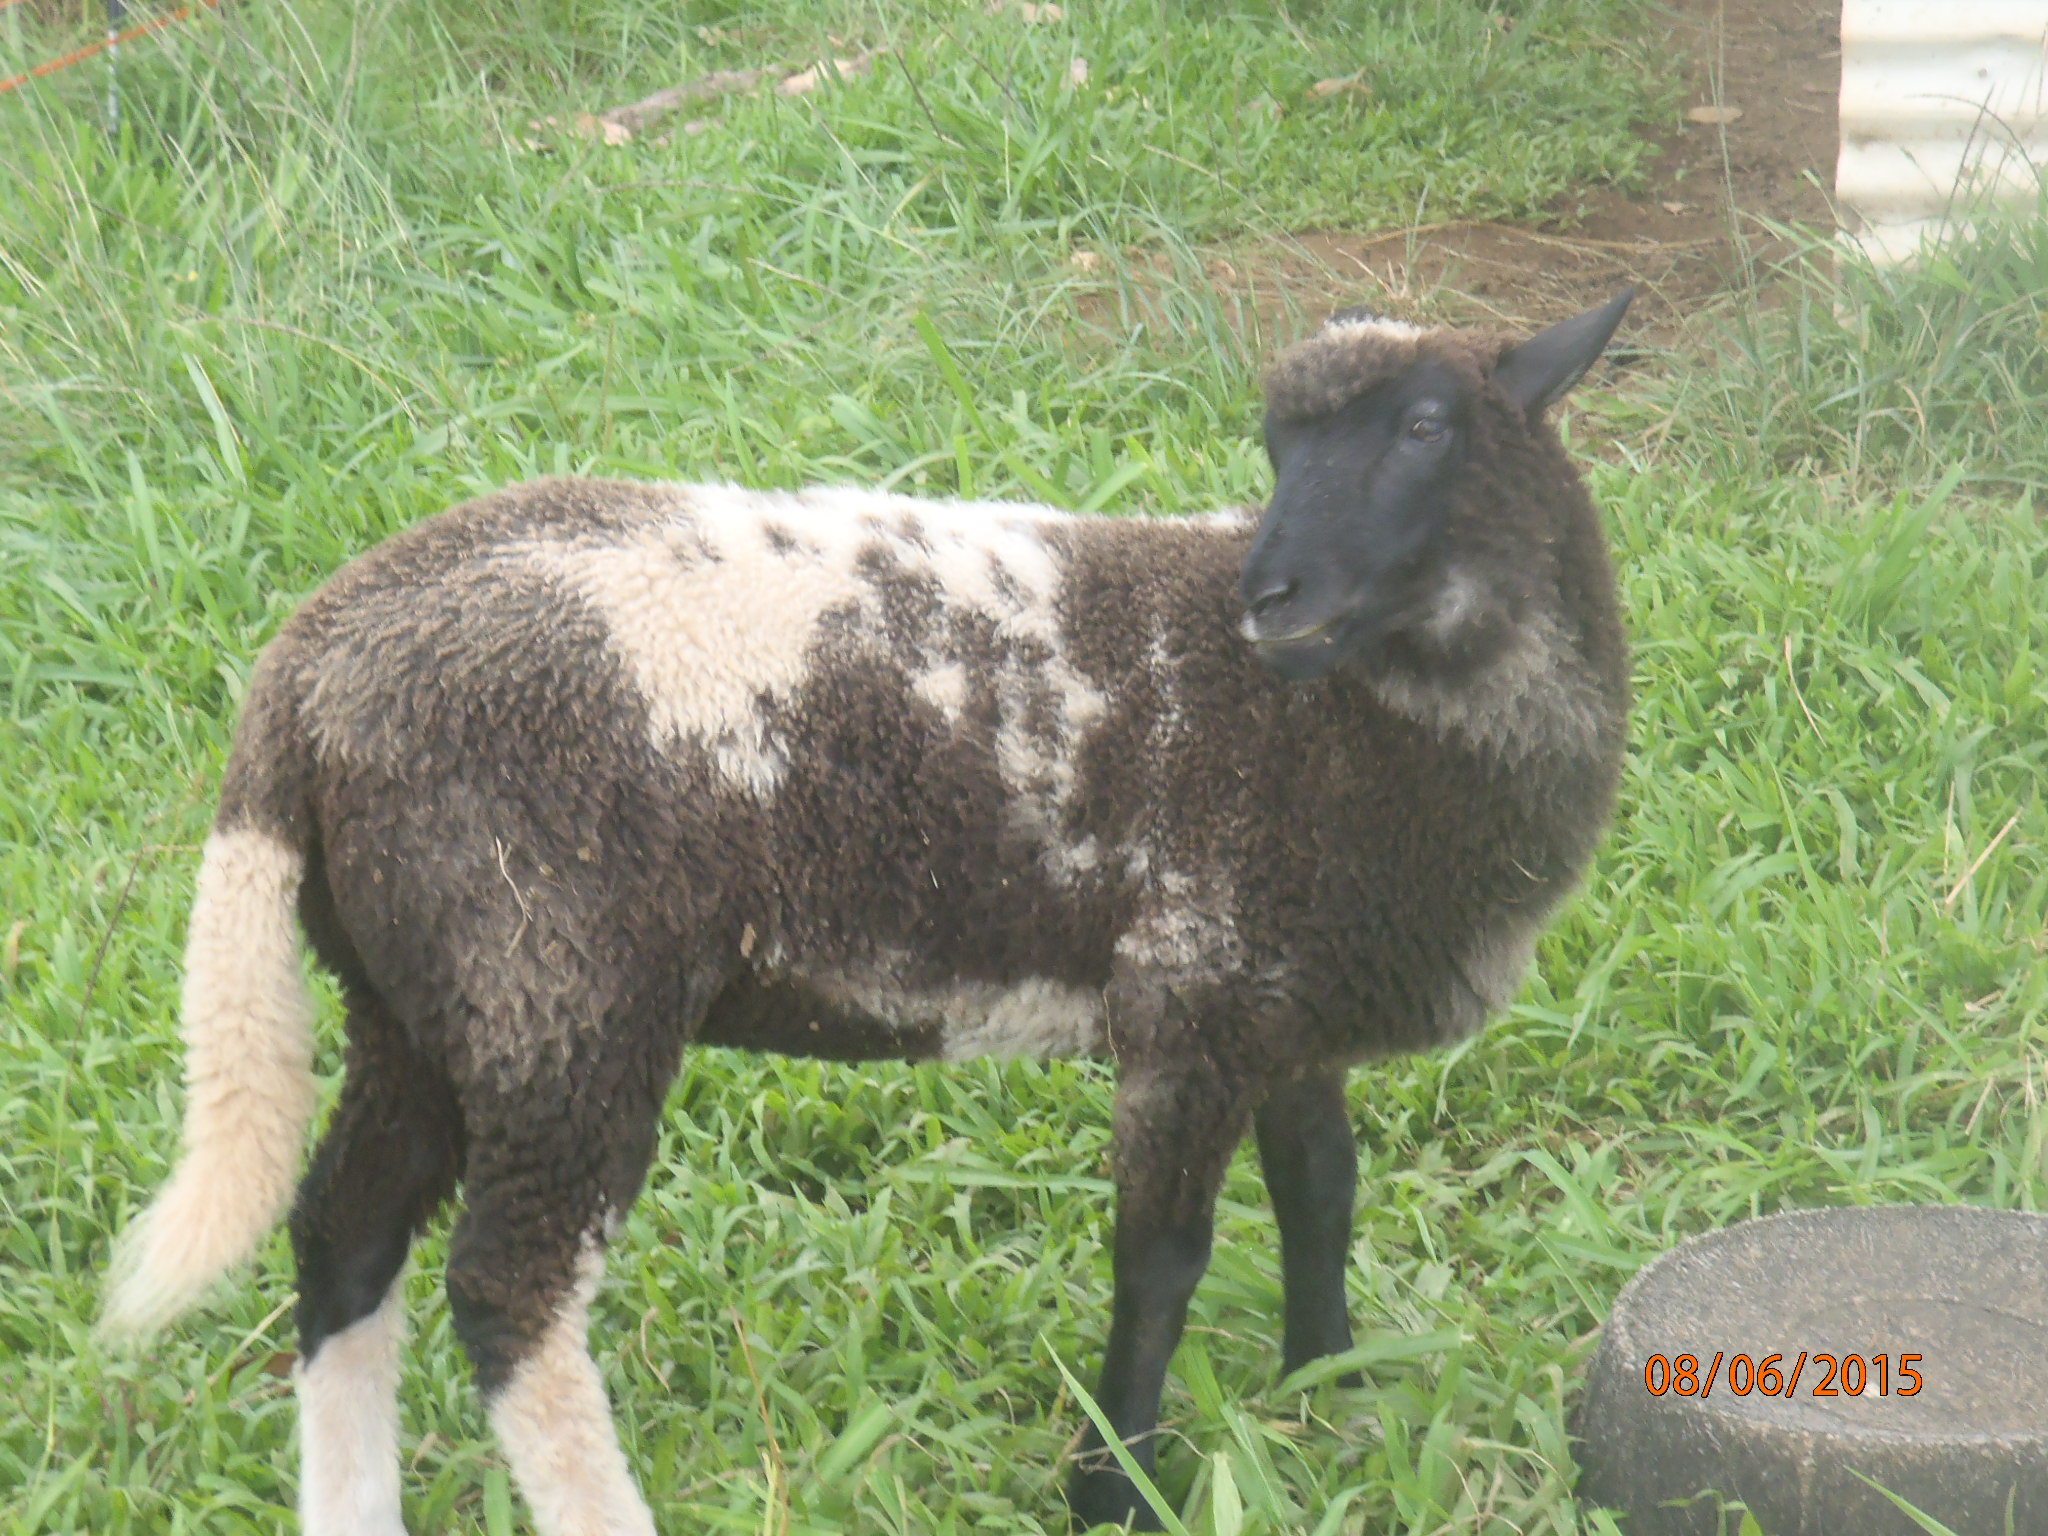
x,y
1351,546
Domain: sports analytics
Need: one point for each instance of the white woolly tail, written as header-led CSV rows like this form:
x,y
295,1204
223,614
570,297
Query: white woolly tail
x,y
247,1020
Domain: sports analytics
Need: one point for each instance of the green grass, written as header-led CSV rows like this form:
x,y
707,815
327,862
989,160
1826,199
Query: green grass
x,y
1875,377
314,292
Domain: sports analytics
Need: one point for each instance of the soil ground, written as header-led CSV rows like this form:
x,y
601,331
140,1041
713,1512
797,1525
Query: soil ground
x,y
1684,237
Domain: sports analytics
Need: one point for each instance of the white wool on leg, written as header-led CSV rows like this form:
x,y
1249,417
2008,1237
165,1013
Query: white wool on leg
x,y
348,1428
555,1424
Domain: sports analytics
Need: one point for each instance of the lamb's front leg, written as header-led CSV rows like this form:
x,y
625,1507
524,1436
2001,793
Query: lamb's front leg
x,y
1310,1154
1176,1127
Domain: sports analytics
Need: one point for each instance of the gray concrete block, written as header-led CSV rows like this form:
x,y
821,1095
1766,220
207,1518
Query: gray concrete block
x,y
1964,1289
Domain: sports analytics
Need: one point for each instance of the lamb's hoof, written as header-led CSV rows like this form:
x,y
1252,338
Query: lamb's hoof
x,y
1109,1498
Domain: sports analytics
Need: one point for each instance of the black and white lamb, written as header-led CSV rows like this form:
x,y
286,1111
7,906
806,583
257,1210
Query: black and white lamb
x,y
570,777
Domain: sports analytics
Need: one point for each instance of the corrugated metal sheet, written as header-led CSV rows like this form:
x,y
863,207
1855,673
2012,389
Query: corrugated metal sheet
x,y
1941,102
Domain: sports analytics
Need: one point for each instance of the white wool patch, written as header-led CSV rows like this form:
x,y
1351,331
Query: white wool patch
x,y
1376,325
1069,861
1188,925
944,687
991,558
555,1424
711,614
721,607
1165,669
1458,601
247,1023
1034,1017
348,1428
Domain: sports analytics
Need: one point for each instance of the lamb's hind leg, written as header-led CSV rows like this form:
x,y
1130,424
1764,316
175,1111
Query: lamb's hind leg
x,y
390,1156
524,1265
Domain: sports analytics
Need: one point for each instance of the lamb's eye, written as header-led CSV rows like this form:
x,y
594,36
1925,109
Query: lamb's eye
x,y
1429,429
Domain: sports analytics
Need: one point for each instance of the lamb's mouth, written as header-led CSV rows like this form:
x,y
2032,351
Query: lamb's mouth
x,y
1322,633
1301,655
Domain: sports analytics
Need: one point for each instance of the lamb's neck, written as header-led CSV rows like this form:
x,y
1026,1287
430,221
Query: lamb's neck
x,y
1538,695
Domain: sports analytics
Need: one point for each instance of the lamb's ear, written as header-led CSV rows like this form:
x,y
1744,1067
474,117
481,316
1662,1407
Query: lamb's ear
x,y
1542,370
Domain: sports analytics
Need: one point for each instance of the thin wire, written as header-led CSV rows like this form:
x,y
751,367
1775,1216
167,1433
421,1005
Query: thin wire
x,y
78,55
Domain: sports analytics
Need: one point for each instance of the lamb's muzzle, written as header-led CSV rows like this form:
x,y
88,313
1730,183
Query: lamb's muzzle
x,y
567,779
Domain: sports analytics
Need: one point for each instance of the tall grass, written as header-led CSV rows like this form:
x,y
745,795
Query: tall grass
x,y
321,231
317,288
1878,374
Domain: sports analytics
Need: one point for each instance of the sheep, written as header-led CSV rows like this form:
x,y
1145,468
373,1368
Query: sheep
x,y
567,777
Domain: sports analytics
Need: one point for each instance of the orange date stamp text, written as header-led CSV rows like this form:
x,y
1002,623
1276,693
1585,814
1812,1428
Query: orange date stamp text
x,y
1882,1375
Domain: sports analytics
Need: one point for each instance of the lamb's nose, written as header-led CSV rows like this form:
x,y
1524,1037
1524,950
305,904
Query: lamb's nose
x,y
1272,597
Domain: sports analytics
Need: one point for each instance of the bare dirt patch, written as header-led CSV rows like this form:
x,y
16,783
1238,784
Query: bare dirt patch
x,y
1756,141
